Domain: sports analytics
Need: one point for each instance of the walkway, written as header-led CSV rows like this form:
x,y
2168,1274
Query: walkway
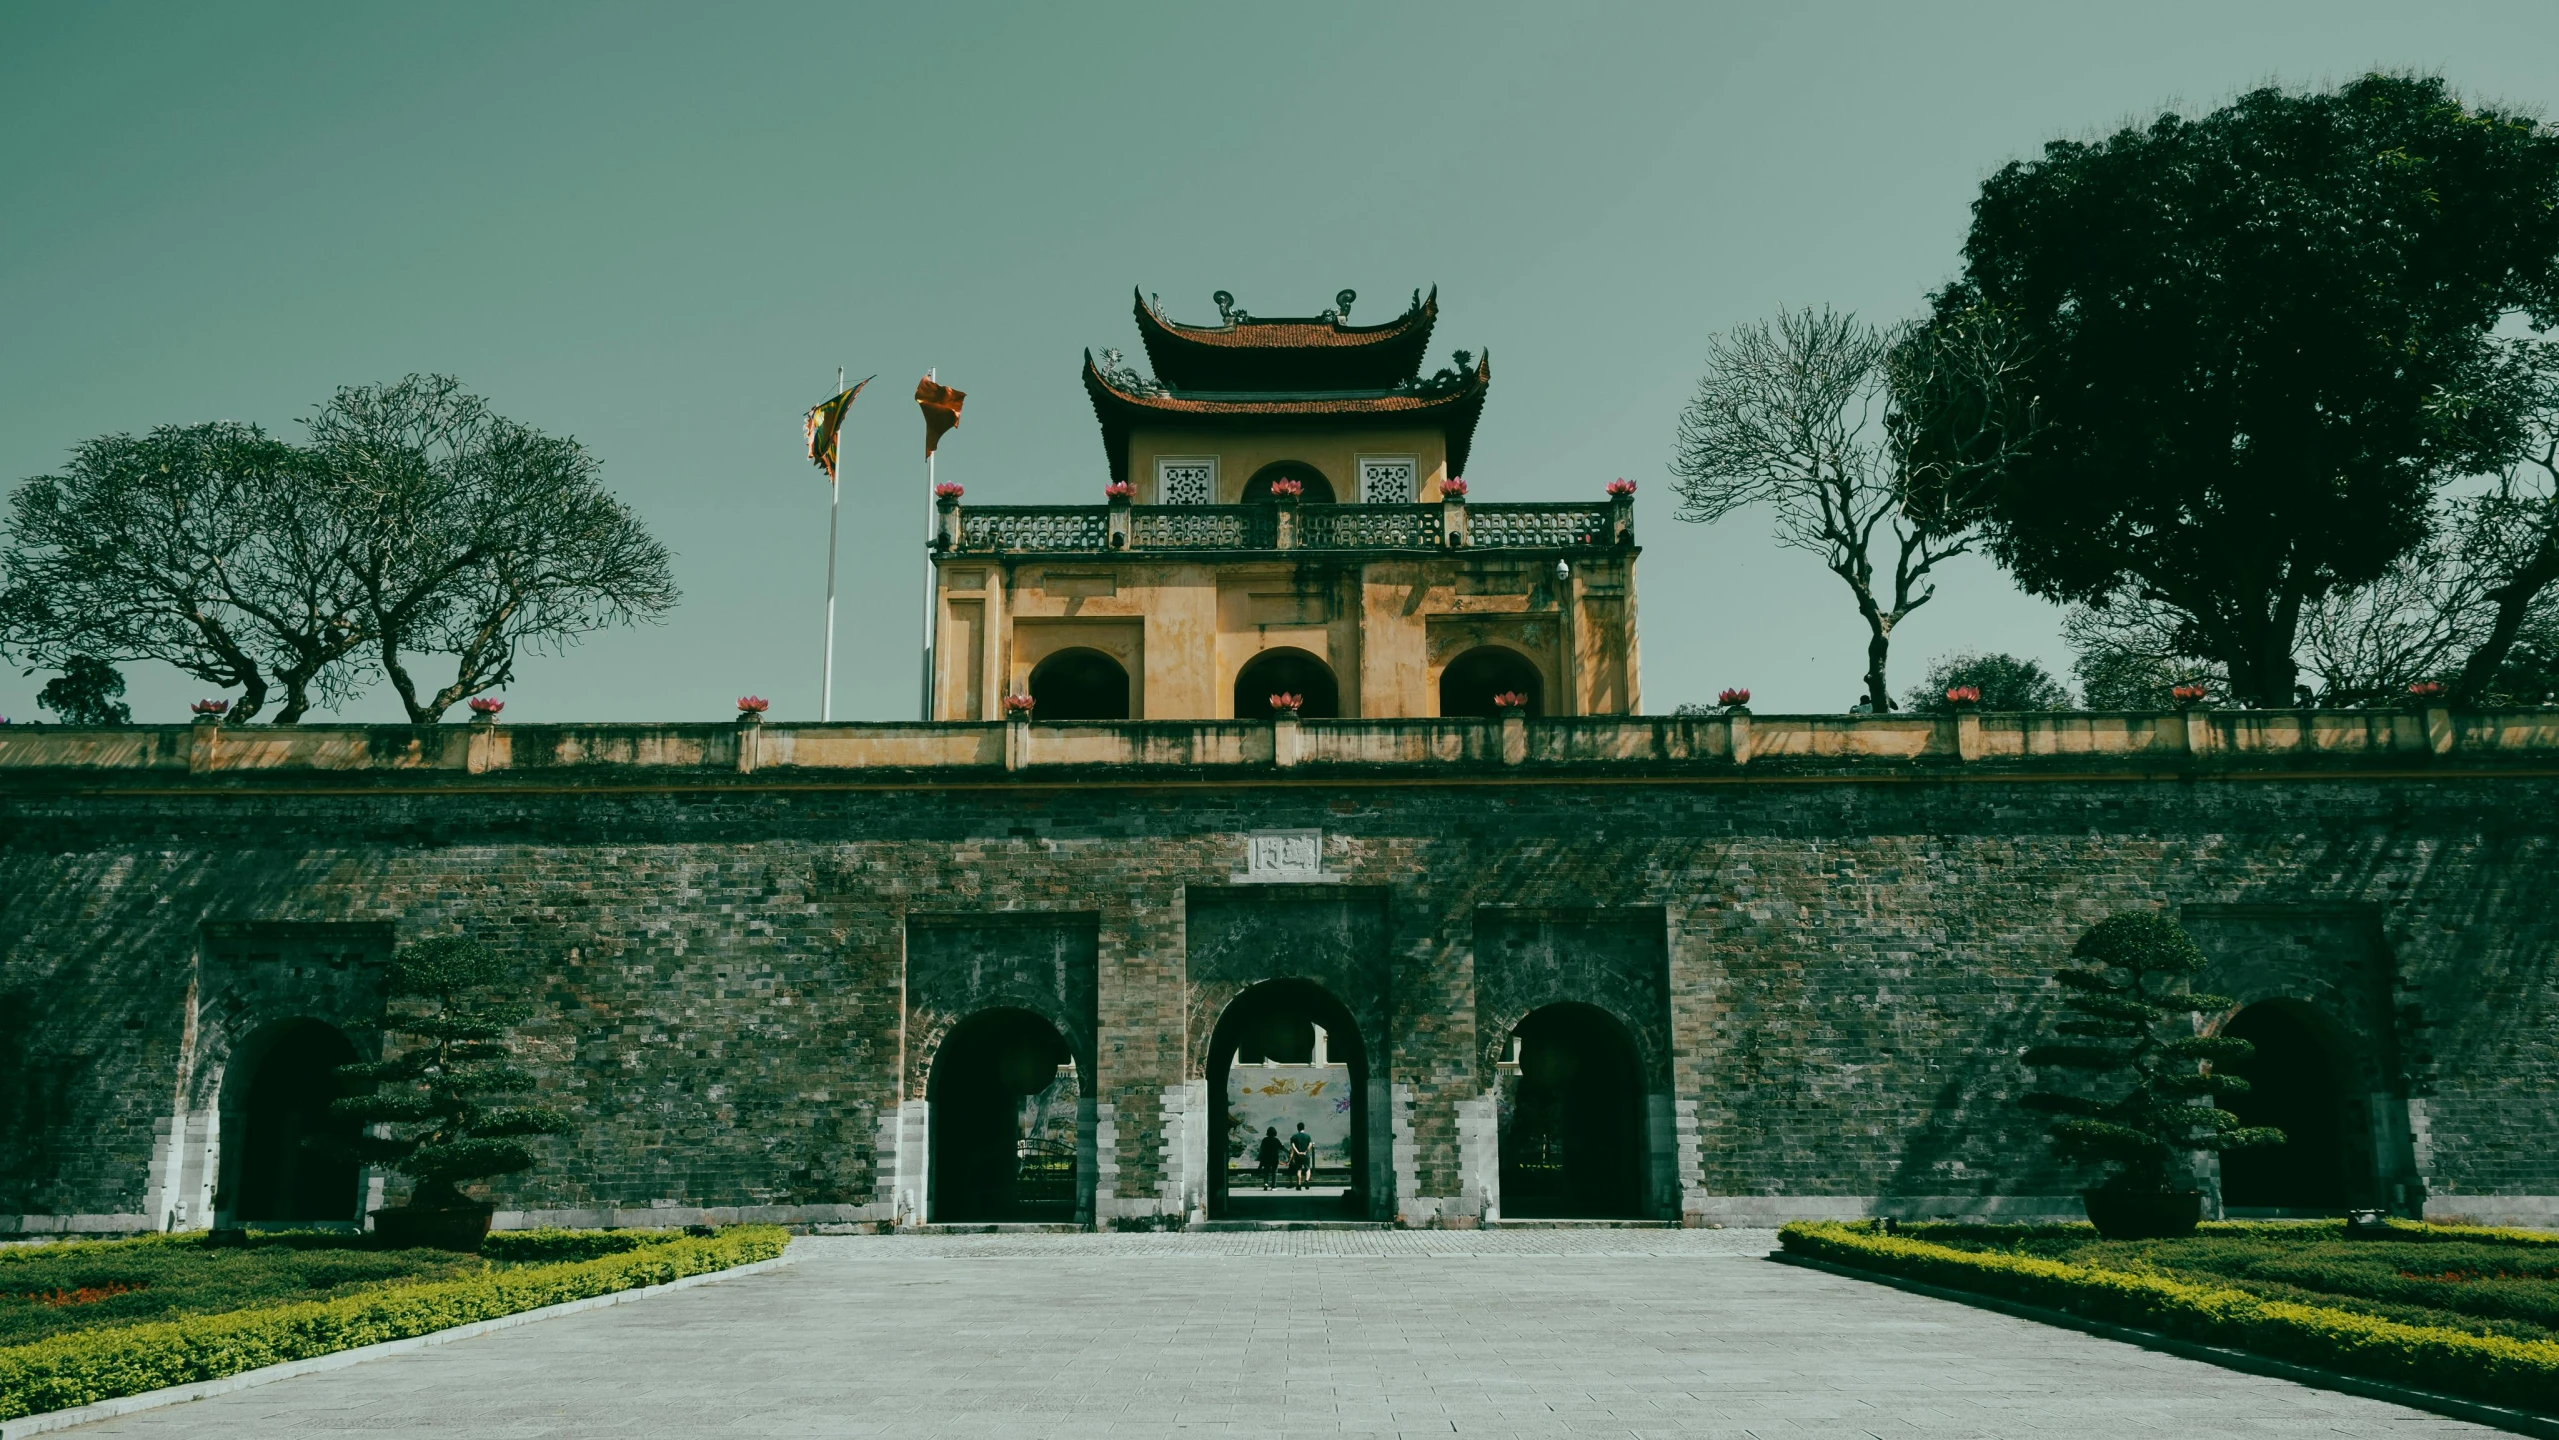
x,y
1584,1333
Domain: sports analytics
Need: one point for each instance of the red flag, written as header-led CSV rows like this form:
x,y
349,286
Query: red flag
x,y
824,423
941,406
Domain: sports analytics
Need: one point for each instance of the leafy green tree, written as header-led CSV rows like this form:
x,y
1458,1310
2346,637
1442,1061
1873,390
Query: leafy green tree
x,y
2257,343
2132,1037
85,693
2006,682
449,1101
476,537
196,545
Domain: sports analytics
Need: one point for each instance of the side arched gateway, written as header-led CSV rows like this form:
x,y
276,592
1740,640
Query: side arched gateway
x,y
1004,1094
1572,1118
281,1165
2295,1084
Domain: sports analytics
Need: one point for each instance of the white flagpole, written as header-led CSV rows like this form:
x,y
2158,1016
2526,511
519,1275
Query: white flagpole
x,y
834,507
931,519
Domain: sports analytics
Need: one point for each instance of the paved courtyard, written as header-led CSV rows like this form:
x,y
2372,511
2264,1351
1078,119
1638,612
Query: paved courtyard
x,y
1573,1332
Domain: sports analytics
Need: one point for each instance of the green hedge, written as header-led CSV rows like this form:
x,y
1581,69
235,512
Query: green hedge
x,y
94,1365
2482,1367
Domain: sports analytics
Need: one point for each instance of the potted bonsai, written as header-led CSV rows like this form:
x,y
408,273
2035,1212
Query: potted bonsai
x,y
2149,1081
443,1110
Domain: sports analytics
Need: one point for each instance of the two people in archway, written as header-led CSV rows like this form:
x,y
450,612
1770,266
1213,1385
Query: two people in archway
x,y
1300,1155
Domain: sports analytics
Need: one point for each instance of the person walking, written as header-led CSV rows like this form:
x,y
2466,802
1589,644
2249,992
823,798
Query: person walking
x,y
1270,1158
1301,1157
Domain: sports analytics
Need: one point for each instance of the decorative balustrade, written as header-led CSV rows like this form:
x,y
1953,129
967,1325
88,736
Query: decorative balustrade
x,y
1087,529
1368,527
1538,527
1035,527
1203,527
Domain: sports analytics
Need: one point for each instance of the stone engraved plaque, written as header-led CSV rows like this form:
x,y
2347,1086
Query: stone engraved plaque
x,y
1284,857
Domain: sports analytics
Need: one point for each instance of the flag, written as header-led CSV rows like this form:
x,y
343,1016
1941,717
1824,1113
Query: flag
x,y
941,406
824,423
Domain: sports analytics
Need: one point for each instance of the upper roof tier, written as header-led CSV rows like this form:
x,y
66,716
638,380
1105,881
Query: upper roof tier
x,y
1450,402
1319,352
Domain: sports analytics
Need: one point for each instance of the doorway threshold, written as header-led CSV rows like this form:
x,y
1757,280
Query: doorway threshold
x,y
1540,1224
997,1227
1231,1226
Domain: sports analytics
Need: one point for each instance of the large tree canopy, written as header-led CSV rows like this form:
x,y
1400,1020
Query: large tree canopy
x,y
414,523
2256,344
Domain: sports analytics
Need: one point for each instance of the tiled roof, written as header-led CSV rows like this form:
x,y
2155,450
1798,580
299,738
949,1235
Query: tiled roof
x,y
1314,352
1453,410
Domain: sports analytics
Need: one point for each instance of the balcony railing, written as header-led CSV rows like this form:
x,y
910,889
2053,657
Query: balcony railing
x,y
1099,529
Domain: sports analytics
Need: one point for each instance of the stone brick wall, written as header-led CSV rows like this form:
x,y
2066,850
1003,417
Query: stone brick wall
x,y
733,1000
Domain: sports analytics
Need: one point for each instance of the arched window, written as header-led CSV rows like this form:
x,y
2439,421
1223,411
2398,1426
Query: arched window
x,y
1286,1056
1004,1096
1572,1137
1079,684
1318,491
1286,672
283,1175
2295,1085
1470,682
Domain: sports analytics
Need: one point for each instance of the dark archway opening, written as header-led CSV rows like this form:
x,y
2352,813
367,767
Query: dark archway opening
x,y
2296,1085
1318,491
287,1171
1079,684
1272,1070
1003,1094
1286,672
1470,682
1572,1118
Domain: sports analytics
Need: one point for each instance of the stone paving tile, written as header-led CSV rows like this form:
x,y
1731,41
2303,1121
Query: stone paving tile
x,y
1669,1334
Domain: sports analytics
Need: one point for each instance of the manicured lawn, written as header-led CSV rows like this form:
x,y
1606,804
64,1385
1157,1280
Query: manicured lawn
x,y
2468,1312
91,1321
2482,1283
50,1290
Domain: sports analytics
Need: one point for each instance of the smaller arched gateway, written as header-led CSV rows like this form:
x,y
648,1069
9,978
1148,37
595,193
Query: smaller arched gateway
x,y
1572,1118
1469,683
1314,489
1080,684
283,1164
1004,1093
1286,671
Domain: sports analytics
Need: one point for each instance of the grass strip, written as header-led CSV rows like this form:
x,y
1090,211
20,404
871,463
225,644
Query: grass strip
x,y
2502,1371
88,1366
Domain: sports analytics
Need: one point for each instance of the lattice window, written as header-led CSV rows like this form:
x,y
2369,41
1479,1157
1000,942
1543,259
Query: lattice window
x,y
1389,479
1186,480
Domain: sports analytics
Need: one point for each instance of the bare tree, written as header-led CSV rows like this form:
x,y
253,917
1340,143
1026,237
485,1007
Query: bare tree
x,y
196,545
478,537
1798,416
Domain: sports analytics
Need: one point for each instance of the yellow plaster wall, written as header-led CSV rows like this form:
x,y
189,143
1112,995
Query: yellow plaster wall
x,y
1242,452
1184,628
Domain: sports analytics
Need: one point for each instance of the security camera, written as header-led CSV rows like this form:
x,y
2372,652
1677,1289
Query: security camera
x,y
1563,570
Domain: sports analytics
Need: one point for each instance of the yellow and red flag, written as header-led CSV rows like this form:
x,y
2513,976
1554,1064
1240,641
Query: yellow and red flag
x,y
824,423
941,406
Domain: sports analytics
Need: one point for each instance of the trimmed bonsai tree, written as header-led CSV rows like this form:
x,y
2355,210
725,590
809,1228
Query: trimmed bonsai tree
x,y
2149,1082
444,1110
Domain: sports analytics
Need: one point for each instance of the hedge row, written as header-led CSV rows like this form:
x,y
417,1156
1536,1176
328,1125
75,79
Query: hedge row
x,y
94,1365
2482,1367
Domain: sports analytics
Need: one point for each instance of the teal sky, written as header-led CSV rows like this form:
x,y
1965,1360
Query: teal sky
x,y
661,229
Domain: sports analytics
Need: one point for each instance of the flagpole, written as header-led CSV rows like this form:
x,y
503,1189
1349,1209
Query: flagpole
x,y
834,508
930,520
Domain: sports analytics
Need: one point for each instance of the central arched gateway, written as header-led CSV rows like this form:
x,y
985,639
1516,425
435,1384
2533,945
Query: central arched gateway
x,y
1572,1118
1004,1098
1275,1042
1079,684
